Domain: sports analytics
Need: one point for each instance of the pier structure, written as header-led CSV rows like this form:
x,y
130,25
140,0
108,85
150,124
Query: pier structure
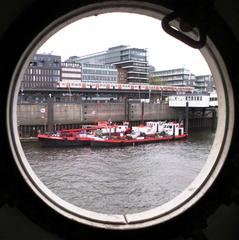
x,y
52,116
90,92
71,106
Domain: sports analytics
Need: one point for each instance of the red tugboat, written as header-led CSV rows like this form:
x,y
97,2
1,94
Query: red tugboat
x,y
65,138
143,135
107,135
81,136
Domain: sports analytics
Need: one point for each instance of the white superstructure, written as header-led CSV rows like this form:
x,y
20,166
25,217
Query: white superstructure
x,y
194,100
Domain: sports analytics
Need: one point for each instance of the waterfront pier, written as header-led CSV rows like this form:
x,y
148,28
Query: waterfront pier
x,y
33,118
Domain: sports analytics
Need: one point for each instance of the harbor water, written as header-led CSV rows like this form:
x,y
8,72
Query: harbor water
x,y
121,180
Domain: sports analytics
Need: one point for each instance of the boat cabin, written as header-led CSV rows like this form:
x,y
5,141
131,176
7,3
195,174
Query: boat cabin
x,y
173,129
170,128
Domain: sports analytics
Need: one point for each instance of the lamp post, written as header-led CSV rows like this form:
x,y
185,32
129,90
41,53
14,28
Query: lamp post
x,y
139,92
50,117
186,117
22,94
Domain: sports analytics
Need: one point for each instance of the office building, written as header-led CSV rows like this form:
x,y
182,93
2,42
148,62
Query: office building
x,y
43,72
174,77
98,73
71,71
132,62
205,83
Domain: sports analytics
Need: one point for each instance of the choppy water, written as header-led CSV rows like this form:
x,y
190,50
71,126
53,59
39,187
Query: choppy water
x,y
121,180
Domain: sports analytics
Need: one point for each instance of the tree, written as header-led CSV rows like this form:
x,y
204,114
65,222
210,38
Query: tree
x,y
155,80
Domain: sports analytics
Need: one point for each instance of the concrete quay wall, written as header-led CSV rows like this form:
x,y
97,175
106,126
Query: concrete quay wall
x,y
73,113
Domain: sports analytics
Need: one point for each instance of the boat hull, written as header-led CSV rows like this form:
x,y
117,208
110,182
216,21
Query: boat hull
x,y
47,141
133,142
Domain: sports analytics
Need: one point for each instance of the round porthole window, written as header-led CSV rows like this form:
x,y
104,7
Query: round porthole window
x,y
105,171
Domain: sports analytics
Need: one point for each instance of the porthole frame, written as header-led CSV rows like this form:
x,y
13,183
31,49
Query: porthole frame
x,y
133,221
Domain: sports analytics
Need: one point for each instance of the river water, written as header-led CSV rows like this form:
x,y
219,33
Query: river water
x,y
121,180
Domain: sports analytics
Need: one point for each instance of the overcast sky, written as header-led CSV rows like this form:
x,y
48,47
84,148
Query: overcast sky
x,y
98,33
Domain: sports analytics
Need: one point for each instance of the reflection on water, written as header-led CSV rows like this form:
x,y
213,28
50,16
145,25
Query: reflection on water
x,y
121,180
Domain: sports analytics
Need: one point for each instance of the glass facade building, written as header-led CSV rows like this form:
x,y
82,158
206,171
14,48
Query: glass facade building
x,y
98,73
174,77
205,83
132,60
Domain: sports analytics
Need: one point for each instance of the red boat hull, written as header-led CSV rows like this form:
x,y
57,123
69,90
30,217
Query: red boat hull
x,y
52,141
133,142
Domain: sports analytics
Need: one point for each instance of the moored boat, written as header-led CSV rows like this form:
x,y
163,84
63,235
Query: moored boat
x,y
80,136
143,134
108,135
54,140
111,142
